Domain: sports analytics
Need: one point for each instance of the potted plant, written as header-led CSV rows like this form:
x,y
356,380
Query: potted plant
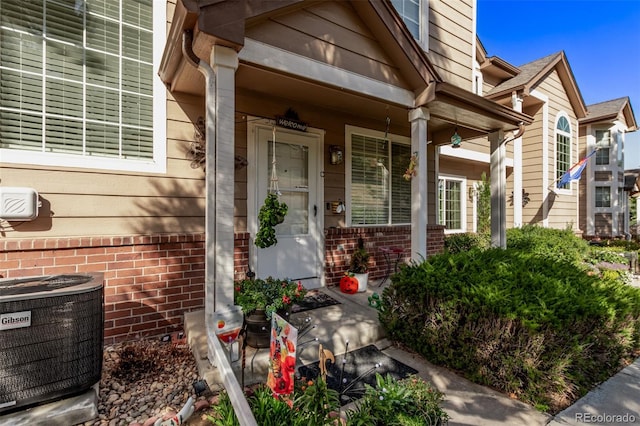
x,y
259,299
359,265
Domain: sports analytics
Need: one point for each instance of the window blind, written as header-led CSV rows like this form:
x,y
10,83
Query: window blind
x,y
76,77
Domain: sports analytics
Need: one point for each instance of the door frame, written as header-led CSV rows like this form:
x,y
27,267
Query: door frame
x,y
316,228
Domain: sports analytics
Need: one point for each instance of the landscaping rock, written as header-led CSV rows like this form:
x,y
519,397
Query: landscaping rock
x,y
143,381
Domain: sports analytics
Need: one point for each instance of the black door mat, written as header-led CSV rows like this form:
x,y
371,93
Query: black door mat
x,y
312,300
358,370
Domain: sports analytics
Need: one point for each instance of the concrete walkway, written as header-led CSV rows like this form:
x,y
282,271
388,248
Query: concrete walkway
x,y
615,402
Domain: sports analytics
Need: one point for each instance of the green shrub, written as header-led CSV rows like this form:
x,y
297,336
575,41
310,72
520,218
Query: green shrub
x,y
531,321
455,243
553,243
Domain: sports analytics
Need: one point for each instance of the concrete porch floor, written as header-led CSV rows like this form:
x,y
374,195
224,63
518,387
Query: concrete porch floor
x,y
352,320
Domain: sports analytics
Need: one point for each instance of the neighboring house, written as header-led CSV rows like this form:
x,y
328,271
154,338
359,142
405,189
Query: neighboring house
x,y
563,132
604,209
114,155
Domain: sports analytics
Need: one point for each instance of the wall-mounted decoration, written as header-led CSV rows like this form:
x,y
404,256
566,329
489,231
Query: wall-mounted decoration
x,y
338,207
411,169
335,154
290,120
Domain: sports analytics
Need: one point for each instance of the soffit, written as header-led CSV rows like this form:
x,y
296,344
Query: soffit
x,y
449,107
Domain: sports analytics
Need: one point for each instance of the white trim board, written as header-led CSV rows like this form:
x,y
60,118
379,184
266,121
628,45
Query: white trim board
x,y
259,53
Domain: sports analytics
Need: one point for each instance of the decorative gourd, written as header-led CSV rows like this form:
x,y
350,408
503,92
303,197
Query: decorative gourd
x,y
348,284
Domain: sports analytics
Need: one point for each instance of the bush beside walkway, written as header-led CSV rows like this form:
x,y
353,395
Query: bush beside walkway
x,y
537,321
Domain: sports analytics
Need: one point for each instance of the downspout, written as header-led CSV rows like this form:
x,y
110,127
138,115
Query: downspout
x,y
210,172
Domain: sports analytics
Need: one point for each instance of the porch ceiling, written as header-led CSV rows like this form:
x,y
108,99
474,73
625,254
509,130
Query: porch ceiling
x,y
449,107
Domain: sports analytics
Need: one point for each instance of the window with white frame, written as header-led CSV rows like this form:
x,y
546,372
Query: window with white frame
x,y
603,142
378,192
451,203
603,196
77,83
602,157
411,12
563,148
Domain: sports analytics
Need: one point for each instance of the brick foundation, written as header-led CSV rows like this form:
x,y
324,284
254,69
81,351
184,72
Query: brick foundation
x,y
340,243
150,281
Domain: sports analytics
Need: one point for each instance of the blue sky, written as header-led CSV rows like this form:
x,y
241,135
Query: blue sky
x,y
601,39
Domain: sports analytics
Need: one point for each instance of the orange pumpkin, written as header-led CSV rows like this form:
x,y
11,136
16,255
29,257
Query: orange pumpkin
x,y
348,284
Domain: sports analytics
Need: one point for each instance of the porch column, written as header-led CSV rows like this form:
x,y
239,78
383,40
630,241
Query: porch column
x,y
224,62
498,190
220,185
418,118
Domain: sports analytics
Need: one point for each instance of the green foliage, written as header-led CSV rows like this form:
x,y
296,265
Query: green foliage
x,y
271,213
552,243
624,244
533,321
315,403
410,401
455,243
359,263
484,205
270,294
223,413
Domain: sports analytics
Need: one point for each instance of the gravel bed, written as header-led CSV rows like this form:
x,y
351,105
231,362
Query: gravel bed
x,y
146,379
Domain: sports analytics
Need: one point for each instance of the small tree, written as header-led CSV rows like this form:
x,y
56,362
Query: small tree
x,y
484,205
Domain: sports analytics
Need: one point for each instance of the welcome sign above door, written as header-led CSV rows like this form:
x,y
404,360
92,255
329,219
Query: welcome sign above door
x,y
290,123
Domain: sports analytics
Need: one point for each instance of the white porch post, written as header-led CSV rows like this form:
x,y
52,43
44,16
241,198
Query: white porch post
x,y
418,118
498,190
224,62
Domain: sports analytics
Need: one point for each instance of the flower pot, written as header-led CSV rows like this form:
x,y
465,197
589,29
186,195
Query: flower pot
x,y
363,279
257,328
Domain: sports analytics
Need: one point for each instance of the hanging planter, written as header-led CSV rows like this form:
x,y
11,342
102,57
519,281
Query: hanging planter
x,y
272,213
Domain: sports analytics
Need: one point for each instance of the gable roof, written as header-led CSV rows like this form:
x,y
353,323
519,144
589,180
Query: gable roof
x,y
610,111
532,73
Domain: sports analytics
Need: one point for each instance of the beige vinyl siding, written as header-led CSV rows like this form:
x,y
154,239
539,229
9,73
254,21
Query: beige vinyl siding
x,y
329,32
532,170
88,202
94,202
451,40
561,209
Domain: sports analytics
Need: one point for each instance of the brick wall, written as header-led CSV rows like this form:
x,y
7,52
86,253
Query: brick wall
x,y
150,281
340,243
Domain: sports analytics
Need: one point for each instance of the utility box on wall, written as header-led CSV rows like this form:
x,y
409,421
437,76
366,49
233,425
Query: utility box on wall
x,y
18,203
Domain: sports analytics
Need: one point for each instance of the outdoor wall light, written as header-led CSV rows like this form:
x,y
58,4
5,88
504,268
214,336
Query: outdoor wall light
x,y
335,154
456,140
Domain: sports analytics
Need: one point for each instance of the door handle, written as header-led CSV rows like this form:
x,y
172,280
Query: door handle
x,y
315,210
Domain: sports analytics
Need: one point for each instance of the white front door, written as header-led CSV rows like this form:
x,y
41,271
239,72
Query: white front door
x,y
299,252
